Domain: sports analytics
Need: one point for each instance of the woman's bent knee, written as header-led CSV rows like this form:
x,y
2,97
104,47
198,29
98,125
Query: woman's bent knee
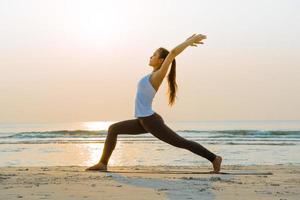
x,y
112,129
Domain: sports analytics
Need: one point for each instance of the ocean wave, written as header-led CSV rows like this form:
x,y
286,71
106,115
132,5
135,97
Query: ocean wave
x,y
260,143
246,133
153,141
57,134
186,133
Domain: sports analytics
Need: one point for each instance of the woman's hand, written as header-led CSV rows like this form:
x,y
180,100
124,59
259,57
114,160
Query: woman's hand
x,y
196,39
191,41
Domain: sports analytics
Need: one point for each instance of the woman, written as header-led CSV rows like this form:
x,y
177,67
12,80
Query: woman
x,y
148,121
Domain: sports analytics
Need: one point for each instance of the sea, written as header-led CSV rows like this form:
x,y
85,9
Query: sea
x,y
81,144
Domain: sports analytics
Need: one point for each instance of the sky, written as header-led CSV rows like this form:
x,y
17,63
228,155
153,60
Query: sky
x,y
69,61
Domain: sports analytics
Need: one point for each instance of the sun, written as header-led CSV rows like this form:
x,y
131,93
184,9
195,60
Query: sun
x,y
97,126
95,24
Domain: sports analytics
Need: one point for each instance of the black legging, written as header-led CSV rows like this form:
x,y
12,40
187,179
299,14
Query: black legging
x,y
155,125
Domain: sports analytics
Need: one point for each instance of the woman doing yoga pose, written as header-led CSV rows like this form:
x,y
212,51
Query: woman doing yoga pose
x,y
148,121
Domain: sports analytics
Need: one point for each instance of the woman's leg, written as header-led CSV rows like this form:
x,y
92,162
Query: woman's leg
x,y
132,127
155,125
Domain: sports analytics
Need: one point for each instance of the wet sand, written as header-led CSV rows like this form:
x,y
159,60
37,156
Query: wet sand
x,y
151,182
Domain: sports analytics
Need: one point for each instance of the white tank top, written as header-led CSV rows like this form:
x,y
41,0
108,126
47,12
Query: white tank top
x,y
144,97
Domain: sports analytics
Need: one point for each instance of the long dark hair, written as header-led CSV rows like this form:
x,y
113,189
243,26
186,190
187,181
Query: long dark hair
x,y
163,53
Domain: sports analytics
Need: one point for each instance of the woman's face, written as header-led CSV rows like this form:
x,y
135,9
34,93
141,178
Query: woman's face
x,y
155,61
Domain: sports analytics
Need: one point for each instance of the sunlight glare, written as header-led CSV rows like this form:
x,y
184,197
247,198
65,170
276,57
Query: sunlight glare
x,y
97,126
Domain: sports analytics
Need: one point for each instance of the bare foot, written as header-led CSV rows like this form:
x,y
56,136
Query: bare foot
x,y
217,164
99,166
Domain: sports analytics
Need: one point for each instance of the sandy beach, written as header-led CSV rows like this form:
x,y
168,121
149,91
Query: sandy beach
x,y
151,182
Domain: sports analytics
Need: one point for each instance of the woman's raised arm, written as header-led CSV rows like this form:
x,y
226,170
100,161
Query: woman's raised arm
x,y
191,41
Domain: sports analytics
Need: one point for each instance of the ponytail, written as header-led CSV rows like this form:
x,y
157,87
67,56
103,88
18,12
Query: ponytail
x,y
171,77
172,83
